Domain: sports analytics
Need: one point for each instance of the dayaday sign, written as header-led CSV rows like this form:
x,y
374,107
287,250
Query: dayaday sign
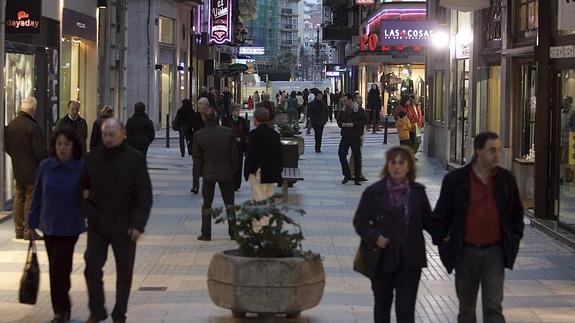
x,y
23,16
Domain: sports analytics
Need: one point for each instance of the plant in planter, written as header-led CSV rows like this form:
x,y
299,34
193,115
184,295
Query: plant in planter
x,y
269,273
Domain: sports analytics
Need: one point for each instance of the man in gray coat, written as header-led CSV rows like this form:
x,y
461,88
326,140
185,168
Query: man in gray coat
x,y
25,143
215,154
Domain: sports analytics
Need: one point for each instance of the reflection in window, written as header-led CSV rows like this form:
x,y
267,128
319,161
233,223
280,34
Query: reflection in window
x,y
438,104
567,140
528,16
493,24
528,104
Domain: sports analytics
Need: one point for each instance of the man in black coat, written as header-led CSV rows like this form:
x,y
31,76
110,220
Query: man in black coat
x,y
140,129
351,120
215,156
478,225
25,143
264,164
74,122
198,124
317,112
241,130
227,101
117,202
184,123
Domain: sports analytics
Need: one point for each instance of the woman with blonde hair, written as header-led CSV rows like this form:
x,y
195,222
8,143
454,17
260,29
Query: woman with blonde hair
x,y
390,220
96,136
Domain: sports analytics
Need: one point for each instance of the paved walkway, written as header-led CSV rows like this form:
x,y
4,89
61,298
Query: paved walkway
x,y
541,289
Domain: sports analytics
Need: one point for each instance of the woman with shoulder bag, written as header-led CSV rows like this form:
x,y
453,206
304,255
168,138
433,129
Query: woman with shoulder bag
x,y
390,219
56,212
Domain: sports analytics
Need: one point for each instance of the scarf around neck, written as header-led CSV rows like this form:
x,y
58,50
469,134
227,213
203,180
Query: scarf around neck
x,y
399,195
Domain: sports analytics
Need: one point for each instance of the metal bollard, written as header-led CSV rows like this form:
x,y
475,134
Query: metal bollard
x,y
385,131
167,131
248,121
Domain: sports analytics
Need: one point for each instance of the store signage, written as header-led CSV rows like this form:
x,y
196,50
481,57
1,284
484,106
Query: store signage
x,y
566,11
407,33
220,22
79,25
252,51
335,70
23,16
364,2
238,68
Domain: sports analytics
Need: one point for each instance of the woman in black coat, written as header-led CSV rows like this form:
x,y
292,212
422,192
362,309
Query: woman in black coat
x,y
140,129
374,105
390,219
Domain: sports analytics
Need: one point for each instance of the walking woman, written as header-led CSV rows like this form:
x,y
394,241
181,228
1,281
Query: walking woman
x,y
374,106
56,212
390,219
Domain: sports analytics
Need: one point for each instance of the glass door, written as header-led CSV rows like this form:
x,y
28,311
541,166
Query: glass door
x,y
459,114
566,134
19,75
165,94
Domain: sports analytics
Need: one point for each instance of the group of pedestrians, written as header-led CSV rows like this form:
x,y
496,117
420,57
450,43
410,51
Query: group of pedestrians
x,y
58,190
477,225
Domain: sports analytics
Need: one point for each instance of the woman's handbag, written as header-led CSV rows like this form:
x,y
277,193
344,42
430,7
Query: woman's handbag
x,y
30,282
366,260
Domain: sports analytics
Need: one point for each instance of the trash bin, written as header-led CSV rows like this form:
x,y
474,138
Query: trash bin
x,y
290,153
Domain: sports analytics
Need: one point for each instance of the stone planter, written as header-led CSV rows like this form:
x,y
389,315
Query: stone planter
x,y
300,144
265,286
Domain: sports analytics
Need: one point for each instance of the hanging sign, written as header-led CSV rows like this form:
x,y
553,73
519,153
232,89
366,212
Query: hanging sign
x,y
406,32
220,22
566,12
23,17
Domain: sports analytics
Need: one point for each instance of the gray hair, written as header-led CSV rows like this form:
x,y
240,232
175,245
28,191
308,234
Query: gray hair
x,y
266,97
29,103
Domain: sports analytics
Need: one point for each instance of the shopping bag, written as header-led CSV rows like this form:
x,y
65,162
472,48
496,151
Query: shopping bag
x,y
30,282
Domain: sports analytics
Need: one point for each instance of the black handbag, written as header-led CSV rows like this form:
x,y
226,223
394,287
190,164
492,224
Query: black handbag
x,y
30,282
366,259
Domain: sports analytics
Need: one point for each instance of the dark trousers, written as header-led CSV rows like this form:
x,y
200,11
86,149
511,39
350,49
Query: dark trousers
x,y
96,254
330,113
406,143
195,177
485,267
405,283
238,174
344,145
60,252
183,143
318,134
23,193
208,192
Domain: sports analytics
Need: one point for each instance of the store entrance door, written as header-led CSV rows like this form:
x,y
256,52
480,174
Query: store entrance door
x,y
19,76
459,118
165,93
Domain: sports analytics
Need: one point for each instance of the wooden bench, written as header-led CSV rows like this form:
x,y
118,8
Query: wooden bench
x,y
289,175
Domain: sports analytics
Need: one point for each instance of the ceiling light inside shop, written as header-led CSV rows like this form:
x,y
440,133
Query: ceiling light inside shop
x,y
76,41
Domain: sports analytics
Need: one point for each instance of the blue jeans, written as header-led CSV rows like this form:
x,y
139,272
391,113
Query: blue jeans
x,y
485,267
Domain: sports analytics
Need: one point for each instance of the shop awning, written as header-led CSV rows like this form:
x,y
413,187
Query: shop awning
x,y
465,5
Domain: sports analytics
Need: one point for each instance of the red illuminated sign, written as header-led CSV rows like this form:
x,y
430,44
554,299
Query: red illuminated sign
x,y
23,16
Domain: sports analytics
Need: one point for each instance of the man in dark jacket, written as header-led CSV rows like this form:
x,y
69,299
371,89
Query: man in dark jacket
x,y
351,120
74,122
198,124
140,129
227,101
241,131
215,156
478,224
96,136
118,201
24,142
184,124
317,113
264,164
268,105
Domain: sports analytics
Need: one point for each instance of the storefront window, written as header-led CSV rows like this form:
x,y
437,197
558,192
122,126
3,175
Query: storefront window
x,y
166,30
438,97
528,107
459,114
19,76
528,12
73,76
567,141
493,23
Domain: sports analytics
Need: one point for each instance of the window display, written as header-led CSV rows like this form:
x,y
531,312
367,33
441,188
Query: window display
x,y
528,107
567,141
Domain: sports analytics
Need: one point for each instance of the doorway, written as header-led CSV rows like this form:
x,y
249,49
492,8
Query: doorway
x,y
459,114
165,93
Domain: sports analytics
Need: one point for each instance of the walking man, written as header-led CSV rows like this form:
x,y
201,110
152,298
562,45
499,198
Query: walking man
x,y
25,143
264,163
478,224
241,131
203,104
118,200
351,120
268,105
74,122
317,113
215,154
140,130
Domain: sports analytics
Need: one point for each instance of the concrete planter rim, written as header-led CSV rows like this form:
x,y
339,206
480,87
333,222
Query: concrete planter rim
x,y
235,253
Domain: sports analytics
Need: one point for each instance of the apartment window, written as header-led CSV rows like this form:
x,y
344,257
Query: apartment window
x,y
528,16
166,35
